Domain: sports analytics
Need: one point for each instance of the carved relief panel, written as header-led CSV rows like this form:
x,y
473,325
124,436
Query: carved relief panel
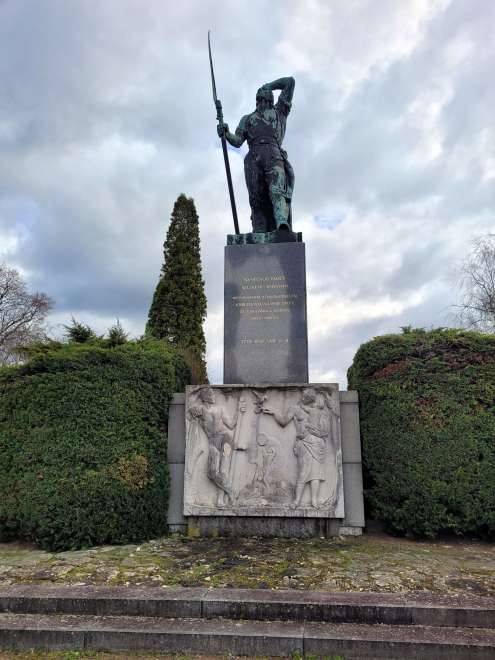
x,y
263,451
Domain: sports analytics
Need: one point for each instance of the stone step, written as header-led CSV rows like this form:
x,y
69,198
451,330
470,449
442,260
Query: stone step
x,y
239,637
251,604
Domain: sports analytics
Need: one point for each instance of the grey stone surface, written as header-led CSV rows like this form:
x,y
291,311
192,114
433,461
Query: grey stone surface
x,y
271,526
347,530
353,493
279,604
176,431
241,637
348,396
265,323
397,642
352,467
252,638
175,514
176,443
263,450
102,600
349,423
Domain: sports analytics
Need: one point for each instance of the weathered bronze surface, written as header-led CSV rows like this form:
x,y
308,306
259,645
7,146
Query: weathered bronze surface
x,y
277,236
269,175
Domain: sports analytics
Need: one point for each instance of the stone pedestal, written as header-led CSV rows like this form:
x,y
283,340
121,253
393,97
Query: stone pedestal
x,y
265,324
265,454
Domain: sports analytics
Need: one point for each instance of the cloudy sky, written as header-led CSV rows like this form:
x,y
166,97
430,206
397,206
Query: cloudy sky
x,y
106,116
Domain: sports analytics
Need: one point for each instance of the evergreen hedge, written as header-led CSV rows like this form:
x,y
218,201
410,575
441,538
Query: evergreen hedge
x,y
427,406
83,456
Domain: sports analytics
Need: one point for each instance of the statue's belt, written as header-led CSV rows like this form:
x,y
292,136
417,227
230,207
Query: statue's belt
x,y
261,142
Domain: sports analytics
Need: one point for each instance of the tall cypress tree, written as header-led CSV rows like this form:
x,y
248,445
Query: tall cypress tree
x,y
178,308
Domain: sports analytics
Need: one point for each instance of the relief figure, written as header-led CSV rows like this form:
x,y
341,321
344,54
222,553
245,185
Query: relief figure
x,y
212,419
313,427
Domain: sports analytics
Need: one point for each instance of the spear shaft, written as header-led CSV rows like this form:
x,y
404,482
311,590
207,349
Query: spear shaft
x,y
218,106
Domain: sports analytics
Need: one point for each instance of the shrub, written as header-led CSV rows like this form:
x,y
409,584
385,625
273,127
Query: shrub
x,y
83,456
117,335
78,332
427,406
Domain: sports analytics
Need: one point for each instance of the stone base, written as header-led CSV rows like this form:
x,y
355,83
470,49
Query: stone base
x,y
346,530
353,523
267,527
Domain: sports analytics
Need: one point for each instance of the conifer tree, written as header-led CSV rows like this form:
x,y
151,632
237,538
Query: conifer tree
x,y
178,308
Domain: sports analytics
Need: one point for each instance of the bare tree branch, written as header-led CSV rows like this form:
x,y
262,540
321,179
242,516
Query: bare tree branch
x,y
22,315
476,308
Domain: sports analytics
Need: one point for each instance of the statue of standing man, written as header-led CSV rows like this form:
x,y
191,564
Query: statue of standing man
x,y
269,175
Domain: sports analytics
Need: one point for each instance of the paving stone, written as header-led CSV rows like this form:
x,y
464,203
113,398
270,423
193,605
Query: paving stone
x,y
371,562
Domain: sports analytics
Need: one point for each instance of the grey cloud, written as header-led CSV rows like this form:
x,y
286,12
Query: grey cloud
x,y
106,116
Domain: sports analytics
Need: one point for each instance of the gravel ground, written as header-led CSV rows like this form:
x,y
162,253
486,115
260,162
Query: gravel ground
x,y
374,562
88,655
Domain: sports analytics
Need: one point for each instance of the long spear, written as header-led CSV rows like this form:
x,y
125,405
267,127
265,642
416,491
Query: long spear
x,y
218,106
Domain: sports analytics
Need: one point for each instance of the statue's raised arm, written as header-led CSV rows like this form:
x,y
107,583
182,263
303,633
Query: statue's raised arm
x,y
286,85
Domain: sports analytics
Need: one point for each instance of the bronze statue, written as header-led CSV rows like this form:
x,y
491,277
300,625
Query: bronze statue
x,y
269,175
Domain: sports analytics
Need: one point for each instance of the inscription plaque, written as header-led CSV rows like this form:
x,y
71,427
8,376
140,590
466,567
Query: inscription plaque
x,y
265,324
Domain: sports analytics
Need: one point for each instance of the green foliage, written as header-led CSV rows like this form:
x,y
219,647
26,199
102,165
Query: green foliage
x,y
117,335
82,446
178,309
427,406
80,333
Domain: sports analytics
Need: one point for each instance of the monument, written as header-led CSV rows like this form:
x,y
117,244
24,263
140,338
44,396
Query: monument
x,y
265,328
266,452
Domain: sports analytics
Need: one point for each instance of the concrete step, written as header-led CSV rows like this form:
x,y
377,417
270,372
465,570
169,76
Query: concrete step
x,y
251,604
239,637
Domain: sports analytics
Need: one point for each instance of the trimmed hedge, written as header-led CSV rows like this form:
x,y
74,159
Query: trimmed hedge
x,y
83,457
427,406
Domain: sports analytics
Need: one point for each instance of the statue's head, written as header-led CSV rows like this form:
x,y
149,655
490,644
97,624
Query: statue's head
x,y
264,98
308,396
206,395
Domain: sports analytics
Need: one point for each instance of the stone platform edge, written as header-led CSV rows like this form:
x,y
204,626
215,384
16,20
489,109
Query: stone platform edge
x,y
251,604
352,524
